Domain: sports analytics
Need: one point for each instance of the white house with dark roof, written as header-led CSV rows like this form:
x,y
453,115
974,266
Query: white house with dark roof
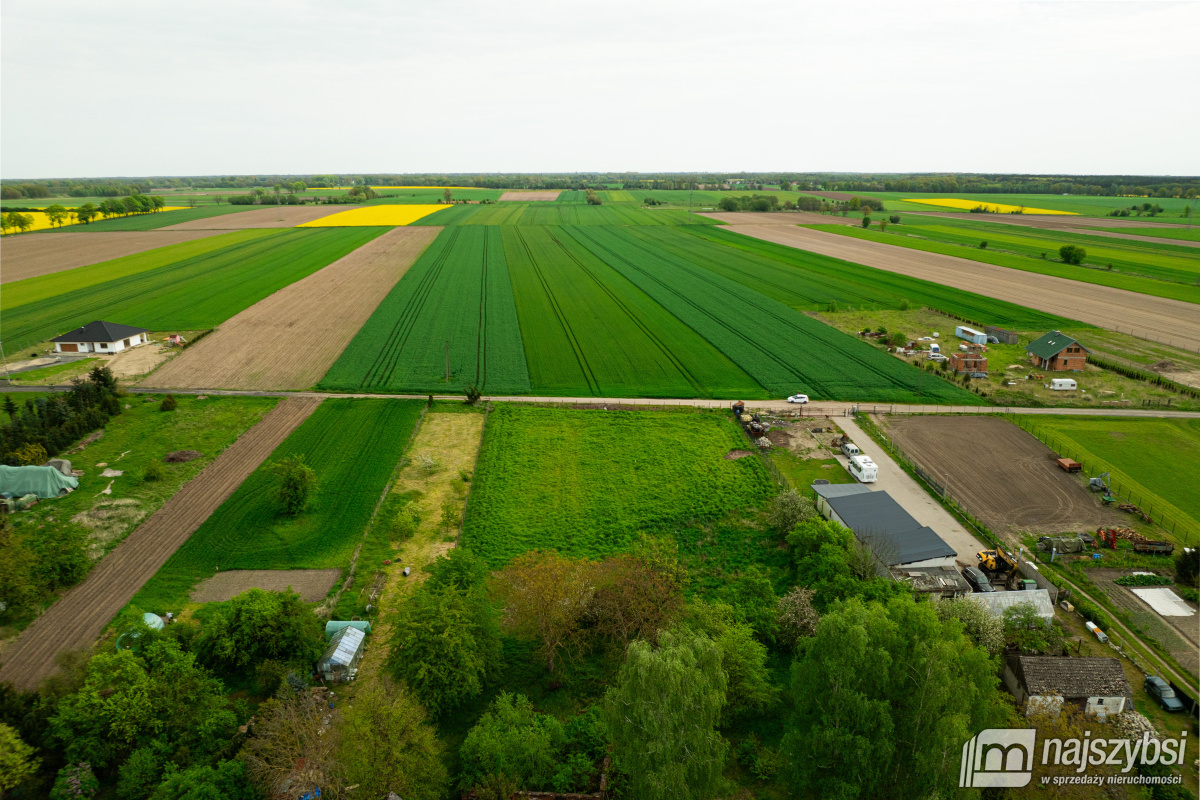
x,y
100,337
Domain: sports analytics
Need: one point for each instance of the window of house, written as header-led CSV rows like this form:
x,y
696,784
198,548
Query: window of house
x,y
127,343
103,346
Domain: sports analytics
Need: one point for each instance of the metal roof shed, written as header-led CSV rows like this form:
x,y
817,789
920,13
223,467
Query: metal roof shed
x,y
998,602
877,519
340,661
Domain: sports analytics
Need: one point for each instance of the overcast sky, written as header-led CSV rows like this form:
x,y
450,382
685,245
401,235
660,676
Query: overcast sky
x,y
143,87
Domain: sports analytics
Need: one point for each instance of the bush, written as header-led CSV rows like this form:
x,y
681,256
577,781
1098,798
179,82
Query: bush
x,y
866,222
1187,567
894,219
983,245
1143,580
154,472
1070,254
297,482
169,403
30,455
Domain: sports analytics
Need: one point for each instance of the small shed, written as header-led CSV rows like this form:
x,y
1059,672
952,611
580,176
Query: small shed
x,y
970,334
1002,336
101,337
1047,683
345,650
942,582
1058,352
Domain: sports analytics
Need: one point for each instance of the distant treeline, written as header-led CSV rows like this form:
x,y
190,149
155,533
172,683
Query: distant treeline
x,y
947,183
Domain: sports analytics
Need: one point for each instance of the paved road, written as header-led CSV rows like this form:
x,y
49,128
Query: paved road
x,y
905,490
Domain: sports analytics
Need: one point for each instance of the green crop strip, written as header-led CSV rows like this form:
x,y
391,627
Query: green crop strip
x,y
158,219
566,213
457,292
193,294
353,446
588,483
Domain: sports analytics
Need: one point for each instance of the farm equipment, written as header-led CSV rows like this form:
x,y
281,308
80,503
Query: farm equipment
x,y
739,408
1100,483
1108,538
997,563
1069,464
1154,548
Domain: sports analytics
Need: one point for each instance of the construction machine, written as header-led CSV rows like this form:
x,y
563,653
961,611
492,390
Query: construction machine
x,y
997,564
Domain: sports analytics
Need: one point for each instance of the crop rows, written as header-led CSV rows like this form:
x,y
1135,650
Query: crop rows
x,y
457,292
193,294
588,483
353,446
559,214
589,332
782,349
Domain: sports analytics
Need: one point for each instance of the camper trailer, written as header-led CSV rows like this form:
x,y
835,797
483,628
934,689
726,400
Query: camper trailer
x,y
863,469
1063,384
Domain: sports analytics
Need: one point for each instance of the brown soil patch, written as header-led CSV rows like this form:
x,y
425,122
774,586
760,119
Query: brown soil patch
x,y
1000,473
526,197
779,438
290,339
269,217
734,455
45,253
141,360
311,584
780,218
1169,321
80,615
181,456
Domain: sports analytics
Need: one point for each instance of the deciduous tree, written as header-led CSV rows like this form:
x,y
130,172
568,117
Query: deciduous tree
x,y
546,596
512,739
633,600
297,482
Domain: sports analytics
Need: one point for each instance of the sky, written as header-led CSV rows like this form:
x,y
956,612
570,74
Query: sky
x,y
221,87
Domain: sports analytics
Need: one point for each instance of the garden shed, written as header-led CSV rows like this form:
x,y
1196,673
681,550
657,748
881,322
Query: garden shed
x,y
345,650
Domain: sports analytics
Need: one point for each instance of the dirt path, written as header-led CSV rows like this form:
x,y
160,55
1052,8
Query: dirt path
x,y
914,499
81,614
1170,321
46,253
526,197
290,339
269,217
453,439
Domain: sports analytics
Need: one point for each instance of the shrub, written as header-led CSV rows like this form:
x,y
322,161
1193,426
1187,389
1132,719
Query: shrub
x,y
1143,580
169,403
30,454
297,482
866,222
154,472
1187,567
983,245
788,510
894,219
1070,254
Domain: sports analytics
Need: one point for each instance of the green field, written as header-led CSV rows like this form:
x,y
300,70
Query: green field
x,y
1191,234
541,213
193,294
1153,459
588,483
161,219
426,195
353,446
457,292
1083,205
1023,253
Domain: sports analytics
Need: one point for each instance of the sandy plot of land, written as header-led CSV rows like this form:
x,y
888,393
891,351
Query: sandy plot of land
x,y
1168,321
526,197
290,339
311,584
1000,473
29,256
780,218
1052,221
269,217
77,619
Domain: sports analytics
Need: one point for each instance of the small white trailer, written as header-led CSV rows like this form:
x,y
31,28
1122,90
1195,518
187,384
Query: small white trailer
x,y
862,468
1063,385
970,334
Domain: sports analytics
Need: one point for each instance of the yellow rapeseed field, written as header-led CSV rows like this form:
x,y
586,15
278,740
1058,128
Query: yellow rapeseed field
x,y
41,222
365,216
995,208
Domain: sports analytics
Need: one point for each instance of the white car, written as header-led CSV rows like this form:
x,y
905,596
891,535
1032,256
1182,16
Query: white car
x,y
798,398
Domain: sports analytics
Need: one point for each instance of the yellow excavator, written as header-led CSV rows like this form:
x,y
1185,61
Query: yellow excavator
x,y
997,564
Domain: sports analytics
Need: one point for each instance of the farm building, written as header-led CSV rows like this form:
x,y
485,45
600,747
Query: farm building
x,y
943,582
1002,336
1057,351
970,334
968,362
1046,683
341,657
877,520
100,337
999,602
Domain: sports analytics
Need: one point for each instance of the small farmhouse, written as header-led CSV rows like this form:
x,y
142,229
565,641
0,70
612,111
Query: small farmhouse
x,y
100,337
1057,351
1047,683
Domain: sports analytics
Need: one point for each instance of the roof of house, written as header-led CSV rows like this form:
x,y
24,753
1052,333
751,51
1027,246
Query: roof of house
x,y
998,602
1073,677
933,579
100,331
891,531
1052,344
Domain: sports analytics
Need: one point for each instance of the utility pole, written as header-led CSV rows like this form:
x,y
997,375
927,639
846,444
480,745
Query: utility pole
x,y
447,361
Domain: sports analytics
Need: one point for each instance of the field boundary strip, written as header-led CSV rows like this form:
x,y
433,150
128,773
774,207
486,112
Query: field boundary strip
x,y
78,618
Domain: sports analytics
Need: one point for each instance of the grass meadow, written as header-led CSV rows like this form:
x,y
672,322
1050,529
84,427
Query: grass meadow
x,y
1083,205
353,446
542,213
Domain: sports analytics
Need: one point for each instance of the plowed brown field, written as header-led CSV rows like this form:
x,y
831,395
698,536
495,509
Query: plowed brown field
x,y
270,217
44,253
1170,321
81,614
1000,473
530,196
311,584
290,339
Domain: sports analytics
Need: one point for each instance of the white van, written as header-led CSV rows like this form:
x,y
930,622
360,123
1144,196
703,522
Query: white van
x,y
850,449
1063,384
863,469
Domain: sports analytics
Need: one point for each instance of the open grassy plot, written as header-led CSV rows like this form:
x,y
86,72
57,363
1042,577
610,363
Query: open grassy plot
x,y
32,290
161,219
194,294
590,332
367,216
1163,232
561,214
1150,458
458,291
588,483
781,348
1084,205
427,195
353,446
810,281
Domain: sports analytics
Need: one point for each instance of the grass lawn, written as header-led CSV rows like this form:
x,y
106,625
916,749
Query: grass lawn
x,y
1084,205
1191,234
54,373
353,446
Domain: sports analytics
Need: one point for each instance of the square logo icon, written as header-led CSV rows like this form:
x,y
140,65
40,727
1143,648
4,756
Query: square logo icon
x,y
1001,757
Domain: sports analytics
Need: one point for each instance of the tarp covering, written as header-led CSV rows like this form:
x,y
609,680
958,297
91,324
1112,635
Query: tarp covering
x,y
42,481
